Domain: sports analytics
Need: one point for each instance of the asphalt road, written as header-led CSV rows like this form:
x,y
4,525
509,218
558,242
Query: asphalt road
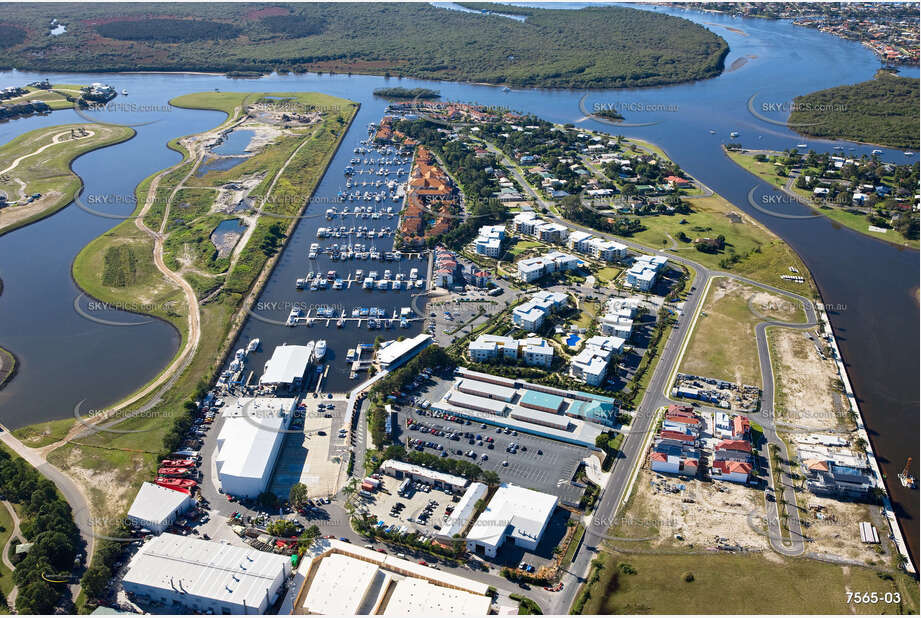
x,y
634,445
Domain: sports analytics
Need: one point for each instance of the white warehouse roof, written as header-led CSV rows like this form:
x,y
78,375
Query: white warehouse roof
x,y
206,569
339,586
416,597
154,506
288,363
247,443
398,349
462,513
516,512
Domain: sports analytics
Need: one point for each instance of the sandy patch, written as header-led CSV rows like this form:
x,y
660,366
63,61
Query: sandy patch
x,y
12,215
832,526
805,384
704,514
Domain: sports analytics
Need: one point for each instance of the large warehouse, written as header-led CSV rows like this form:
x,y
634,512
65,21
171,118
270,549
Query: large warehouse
x,y
379,584
249,442
287,366
155,508
513,513
191,574
568,416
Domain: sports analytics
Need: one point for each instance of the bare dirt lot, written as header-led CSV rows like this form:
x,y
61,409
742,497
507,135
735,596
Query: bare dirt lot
x,y
704,514
805,384
833,527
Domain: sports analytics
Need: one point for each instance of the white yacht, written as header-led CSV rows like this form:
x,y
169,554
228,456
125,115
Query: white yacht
x,y
320,350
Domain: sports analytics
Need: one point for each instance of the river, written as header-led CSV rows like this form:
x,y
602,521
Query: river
x,y
65,358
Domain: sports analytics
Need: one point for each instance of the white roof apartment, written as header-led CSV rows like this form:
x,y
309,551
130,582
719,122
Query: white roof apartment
x,y
204,575
155,507
514,512
249,442
287,365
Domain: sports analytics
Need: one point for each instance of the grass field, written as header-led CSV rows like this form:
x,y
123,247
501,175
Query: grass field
x,y
42,434
738,584
766,171
761,255
607,274
723,342
38,162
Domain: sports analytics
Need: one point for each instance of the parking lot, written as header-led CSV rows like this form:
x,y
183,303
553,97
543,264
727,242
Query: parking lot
x,y
312,456
519,458
422,509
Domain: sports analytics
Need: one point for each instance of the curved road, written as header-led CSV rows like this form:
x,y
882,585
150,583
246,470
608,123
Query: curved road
x,y
15,534
637,438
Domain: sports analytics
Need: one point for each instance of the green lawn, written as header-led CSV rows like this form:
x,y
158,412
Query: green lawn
x,y
723,342
588,310
523,245
607,274
42,434
762,256
738,584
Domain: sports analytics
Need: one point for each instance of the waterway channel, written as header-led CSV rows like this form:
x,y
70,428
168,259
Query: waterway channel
x,y
65,358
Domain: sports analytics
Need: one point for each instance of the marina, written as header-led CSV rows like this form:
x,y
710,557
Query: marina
x,y
137,354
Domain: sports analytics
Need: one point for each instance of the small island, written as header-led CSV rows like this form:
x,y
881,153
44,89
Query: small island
x,y
407,93
608,114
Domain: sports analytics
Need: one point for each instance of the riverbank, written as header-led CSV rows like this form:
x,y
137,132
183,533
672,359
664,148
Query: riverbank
x,y
39,187
767,171
602,46
114,459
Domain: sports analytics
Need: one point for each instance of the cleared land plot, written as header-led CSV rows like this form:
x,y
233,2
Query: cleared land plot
x,y
723,344
805,391
738,584
703,514
56,97
832,527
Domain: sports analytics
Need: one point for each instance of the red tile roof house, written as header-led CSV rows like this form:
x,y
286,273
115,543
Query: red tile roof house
x,y
734,445
733,471
671,464
665,434
741,428
676,181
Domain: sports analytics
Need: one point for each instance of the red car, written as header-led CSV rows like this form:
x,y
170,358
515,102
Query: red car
x,y
383,551
423,563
